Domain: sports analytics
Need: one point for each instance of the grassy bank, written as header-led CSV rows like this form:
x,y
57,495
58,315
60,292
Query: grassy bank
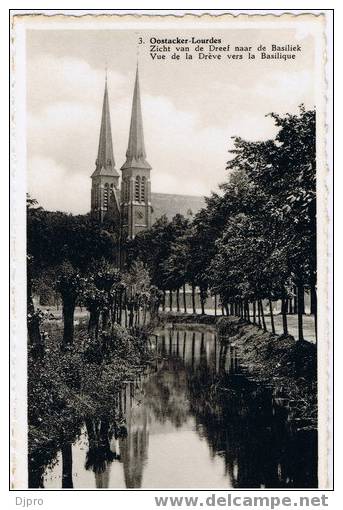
x,y
187,318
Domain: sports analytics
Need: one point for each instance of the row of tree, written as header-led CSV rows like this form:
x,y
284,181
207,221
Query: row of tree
x,y
256,239
77,258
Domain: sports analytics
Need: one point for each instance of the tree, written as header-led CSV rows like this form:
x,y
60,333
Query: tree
x,y
137,285
70,285
175,268
284,170
62,250
177,264
33,317
154,247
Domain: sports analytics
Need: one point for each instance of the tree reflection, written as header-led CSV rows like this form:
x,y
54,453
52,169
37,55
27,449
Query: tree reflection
x,y
134,447
196,380
102,451
165,395
237,418
240,424
133,455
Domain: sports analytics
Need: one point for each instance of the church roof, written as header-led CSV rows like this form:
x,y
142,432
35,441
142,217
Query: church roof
x,y
105,164
135,154
169,204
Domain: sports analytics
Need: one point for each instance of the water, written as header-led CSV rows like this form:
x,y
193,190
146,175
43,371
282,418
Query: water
x,y
190,421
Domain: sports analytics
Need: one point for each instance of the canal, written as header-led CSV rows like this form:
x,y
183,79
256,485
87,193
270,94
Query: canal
x,y
191,420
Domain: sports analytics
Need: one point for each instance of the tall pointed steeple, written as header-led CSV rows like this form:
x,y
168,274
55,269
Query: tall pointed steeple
x,y
105,164
135,154
135,185
105,178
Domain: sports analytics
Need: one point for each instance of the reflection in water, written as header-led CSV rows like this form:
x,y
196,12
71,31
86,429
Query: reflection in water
x,y
102,448
192,420
135,446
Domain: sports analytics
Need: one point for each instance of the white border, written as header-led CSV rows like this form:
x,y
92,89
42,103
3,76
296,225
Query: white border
x,y
20,247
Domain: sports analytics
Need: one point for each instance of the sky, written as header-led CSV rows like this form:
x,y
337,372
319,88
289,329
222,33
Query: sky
x,y
190,109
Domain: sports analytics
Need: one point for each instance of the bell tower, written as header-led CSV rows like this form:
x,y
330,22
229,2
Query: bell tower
x,y
105,178
135,186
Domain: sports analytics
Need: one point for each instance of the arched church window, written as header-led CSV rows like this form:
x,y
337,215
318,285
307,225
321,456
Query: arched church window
x,y
106,196
137,188
98,196
126,188
143,184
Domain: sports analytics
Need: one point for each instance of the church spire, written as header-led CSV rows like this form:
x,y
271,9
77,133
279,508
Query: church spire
x,y
135,154
135,185
105,164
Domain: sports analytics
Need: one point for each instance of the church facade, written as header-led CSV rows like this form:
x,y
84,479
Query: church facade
x,y
128,203
126,198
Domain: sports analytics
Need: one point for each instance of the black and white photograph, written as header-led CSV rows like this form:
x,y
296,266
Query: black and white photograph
x,y
170,201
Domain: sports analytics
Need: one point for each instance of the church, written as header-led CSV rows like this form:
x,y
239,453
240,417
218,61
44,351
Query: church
x,y
127,198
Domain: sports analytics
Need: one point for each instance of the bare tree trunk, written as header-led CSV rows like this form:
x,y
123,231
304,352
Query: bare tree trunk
x,y
111,315
313,294
178,300
106,320
295,307
68,316
284,316
202,301
93,323
290,305
259,314
120,308
247,310
314,306
131,315
164,301
184,298
171,300
215,305
301,309
33,326
67,467
193,299
301,299
271,316
262,315
254,312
